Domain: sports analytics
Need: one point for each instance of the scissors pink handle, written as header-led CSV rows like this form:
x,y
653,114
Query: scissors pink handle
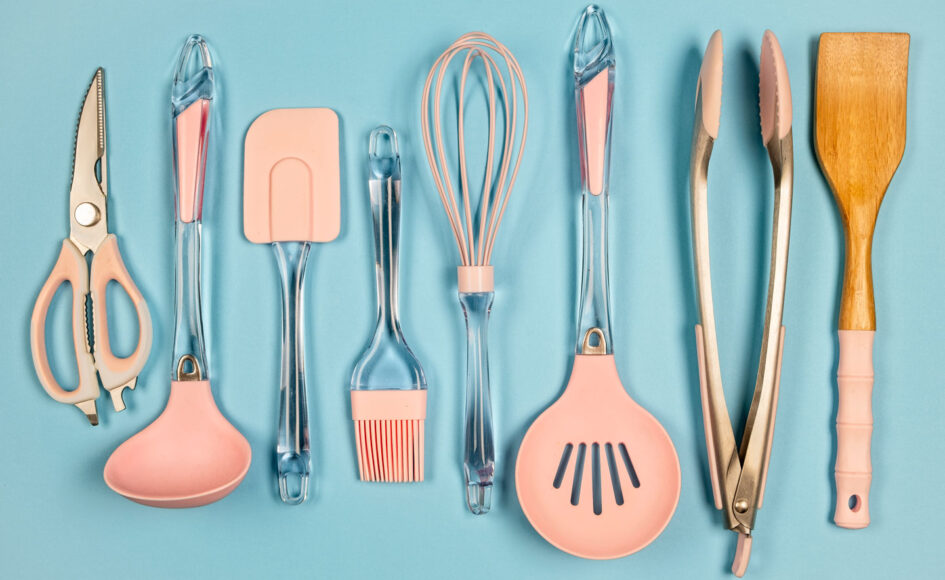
x,y
116,373
71,268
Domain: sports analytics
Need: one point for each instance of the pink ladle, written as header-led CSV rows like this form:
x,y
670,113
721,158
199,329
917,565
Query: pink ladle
x,y
189,456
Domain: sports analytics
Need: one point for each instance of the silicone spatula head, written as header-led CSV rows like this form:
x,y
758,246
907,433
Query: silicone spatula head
x,y
860,136
596,474
291,183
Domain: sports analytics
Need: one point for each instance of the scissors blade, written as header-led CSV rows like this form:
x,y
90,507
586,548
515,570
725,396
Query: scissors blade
x,y
89,189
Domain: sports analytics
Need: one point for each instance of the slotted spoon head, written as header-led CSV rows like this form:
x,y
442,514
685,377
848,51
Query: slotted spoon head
x,y
597,475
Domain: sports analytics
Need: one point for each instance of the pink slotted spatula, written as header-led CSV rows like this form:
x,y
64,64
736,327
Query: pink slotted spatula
x,y
596,475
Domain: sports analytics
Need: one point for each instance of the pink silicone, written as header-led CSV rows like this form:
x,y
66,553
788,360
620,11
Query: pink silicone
x,y
854,428
70,267
107,266
710,85
388,432
189,456
291,179
192,126
476,278
595,408
742,555
775,98
596,99
389,404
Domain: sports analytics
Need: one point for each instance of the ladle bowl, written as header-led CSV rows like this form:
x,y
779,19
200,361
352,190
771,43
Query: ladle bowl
x,y
189,456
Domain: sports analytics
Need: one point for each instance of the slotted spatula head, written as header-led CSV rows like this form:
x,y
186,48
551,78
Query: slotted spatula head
x,y
860,136
597,475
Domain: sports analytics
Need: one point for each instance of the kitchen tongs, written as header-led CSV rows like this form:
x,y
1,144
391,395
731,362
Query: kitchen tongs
x,y
739,473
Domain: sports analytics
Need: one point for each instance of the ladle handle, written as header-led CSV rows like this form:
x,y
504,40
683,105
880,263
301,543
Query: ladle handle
x,y
479,445
293,455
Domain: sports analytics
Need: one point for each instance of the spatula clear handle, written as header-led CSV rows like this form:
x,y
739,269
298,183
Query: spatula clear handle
x,y
479,446
293,454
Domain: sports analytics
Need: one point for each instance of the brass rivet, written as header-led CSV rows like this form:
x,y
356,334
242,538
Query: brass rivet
x,y
741,506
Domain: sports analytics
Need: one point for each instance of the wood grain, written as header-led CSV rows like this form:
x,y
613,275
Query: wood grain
x,y
860,136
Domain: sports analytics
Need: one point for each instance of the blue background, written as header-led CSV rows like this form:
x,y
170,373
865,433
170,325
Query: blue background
x,y
367,60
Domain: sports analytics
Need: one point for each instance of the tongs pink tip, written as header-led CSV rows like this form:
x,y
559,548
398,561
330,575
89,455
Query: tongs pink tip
x,y
775,90
710,85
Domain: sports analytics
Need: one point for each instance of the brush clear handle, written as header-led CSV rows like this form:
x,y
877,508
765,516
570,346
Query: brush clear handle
x,y
293,455
479,446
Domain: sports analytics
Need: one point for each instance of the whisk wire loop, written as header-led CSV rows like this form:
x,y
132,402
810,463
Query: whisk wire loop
x,y
476,250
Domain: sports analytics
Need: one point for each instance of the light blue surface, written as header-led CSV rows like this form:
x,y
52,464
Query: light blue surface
x,y
368,60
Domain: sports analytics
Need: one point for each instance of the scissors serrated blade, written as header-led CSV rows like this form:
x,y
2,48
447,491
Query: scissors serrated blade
x,y
89,189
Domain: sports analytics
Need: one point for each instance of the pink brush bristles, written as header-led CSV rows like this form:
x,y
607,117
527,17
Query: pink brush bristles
x,y
388,433
390,451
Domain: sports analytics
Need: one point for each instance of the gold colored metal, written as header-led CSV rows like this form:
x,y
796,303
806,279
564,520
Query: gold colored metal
x,y
194,375
597,349
741,469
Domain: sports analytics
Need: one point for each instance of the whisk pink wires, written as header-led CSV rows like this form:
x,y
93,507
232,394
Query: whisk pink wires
x,y
496,188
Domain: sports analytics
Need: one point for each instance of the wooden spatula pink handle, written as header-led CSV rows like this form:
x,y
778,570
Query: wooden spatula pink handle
x,y
853,468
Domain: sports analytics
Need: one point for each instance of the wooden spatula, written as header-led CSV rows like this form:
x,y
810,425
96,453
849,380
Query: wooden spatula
x,y
860,135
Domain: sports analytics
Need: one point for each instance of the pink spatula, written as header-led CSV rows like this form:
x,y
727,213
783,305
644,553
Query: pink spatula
x,y
596,474
291,198
190,455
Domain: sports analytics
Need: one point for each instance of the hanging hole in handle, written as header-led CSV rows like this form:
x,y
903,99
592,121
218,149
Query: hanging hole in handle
x,y
598,346
383,142
293,488
188,67
188,369
591,38
854,503
384,154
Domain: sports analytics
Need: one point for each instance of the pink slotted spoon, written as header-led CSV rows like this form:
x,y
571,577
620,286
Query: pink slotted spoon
x,y
596,475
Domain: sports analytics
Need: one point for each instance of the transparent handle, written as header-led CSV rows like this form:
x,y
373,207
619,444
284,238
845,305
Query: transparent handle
x,y
189,343
293,456
479,457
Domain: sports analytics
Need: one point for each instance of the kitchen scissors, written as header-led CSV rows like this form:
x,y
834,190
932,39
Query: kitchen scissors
x,y
88,219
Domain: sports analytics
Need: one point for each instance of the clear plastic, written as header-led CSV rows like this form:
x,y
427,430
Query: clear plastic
x,y
388,362
479,446
190,354
293,449
193,81
594,55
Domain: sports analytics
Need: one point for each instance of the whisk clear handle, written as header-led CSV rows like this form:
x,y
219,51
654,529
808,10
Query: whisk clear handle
x,y
479,446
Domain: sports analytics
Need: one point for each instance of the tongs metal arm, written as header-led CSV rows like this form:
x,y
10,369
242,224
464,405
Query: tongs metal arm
x,y
724,462
759,428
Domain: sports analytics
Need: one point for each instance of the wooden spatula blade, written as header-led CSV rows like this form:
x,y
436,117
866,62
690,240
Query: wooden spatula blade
x,y
860,123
